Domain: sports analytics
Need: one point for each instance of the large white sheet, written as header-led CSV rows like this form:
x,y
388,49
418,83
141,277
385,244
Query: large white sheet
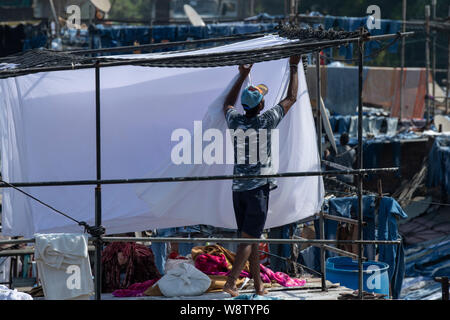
x,y
48,134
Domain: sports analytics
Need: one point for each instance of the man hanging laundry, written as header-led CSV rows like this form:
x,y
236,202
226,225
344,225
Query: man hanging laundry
x,y
251,196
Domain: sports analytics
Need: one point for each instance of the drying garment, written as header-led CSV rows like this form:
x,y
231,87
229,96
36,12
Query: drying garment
x,y
9,294
388,213
439,165
47,131
63,266
346,207
282,250
138,265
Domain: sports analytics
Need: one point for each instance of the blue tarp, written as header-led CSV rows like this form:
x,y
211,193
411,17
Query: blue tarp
x,y
423,262
342,89
430,259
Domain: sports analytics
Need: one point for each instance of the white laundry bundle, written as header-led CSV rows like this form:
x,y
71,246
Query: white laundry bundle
x,y
172,263
184,280
9,294
63,266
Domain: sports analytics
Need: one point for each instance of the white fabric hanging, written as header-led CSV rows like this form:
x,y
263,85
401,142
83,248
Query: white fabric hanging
x,y
63,266
47,123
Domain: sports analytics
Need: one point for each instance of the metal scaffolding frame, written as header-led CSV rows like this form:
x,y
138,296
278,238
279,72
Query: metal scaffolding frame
x,y
98,231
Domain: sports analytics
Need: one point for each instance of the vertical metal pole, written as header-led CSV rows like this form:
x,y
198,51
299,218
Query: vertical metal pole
x,y
434,4
319,136
402,73
98,189
292,10
427,55
448,73
319,94
252,8
360,166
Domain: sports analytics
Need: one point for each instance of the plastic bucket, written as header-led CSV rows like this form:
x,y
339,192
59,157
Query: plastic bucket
x,y
344,270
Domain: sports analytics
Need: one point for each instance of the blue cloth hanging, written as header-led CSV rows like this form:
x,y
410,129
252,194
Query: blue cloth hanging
x,y
393,255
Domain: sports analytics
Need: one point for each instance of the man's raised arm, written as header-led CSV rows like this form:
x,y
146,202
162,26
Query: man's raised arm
x,y
291,97
231,98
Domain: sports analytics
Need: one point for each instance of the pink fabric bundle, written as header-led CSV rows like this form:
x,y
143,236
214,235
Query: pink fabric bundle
x,y
135,290
280,277
217,265
210,264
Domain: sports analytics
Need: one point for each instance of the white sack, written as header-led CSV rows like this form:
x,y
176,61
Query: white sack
x,y
47,123
184,280
173,263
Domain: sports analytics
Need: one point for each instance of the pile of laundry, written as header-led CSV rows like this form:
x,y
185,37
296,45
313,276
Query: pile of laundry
x,y
204,270
9,294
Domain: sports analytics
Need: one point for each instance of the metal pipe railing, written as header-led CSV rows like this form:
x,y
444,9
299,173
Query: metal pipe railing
x,y
224,240
198,178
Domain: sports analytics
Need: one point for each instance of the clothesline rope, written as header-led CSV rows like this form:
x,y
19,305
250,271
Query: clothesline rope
x,y
94,231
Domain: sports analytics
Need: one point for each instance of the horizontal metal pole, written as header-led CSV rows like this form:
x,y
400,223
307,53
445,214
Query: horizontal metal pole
x,y
16,252
24,251
17,241
201,178
336,250
247,240
343,252
225,240
342,219
335,165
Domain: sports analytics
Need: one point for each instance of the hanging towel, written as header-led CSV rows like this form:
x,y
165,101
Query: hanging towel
x,y
63,266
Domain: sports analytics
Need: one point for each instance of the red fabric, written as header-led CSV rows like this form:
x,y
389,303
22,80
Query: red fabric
x,y
175,255
139,267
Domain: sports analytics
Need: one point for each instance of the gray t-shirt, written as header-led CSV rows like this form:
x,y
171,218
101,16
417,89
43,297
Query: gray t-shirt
x,y
252,156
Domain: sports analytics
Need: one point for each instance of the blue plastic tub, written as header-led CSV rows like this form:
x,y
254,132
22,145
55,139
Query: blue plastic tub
x,y
344,270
